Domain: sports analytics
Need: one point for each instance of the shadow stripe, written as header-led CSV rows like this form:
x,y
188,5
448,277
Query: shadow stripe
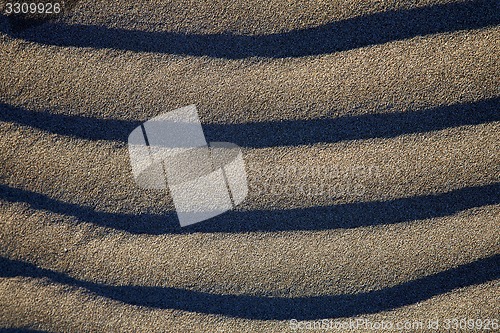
x,y
274,133
277,308
338,36
351,215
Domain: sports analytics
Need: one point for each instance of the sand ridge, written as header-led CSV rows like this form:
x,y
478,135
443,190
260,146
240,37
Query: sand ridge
x,y
373,168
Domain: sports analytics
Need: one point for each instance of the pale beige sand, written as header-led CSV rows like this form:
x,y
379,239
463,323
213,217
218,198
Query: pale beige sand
x,y
71,216
37,301
282,177
420,72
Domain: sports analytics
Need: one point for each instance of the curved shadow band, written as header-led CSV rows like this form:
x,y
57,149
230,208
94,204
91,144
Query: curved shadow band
x,y
351,215
275,133
338,36
277,308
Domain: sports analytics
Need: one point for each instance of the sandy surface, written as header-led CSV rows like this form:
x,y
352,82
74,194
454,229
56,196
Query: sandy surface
x,y
370,134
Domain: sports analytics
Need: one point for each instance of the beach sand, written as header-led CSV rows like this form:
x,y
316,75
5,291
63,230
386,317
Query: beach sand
x,y
370,135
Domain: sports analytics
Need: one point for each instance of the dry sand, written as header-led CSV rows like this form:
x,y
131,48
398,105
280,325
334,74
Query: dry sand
x,y
370,134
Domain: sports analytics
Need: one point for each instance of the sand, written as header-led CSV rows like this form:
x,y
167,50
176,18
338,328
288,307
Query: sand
x,y
370,134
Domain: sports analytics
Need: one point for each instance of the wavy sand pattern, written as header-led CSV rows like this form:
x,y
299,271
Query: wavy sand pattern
x,y
370,133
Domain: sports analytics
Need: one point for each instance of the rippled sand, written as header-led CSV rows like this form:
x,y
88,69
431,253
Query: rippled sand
x,y
370,134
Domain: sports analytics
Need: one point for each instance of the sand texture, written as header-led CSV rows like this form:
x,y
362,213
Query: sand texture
x,y
370,132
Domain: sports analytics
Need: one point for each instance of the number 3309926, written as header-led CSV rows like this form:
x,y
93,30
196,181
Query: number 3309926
x,y
32,8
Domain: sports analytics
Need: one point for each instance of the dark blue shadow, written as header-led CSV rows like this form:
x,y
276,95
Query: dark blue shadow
x,y
277,308
351,215
343,35
275,133
384,125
